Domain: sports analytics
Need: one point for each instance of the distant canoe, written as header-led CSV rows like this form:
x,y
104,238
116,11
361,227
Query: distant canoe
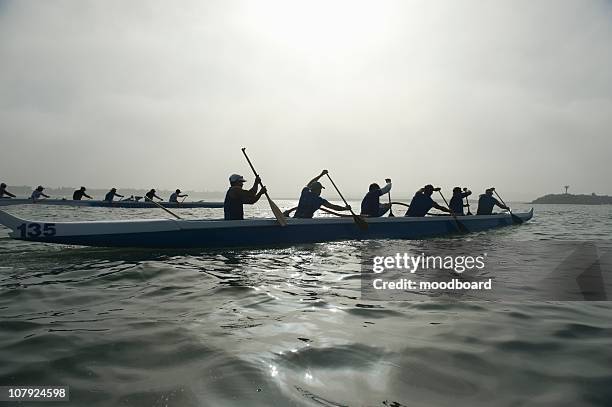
x,y
115,204
173,233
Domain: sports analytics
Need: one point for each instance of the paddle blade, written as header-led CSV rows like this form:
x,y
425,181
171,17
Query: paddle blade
x,y
516,219
361,223
461,227
278,214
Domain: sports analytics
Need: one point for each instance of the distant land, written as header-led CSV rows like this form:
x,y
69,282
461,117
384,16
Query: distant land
x,y
591,199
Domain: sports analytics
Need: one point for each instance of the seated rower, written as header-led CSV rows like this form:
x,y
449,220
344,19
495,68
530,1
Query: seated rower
x,y
149,196
456,202
422,203
4,192
176,195
236,197
486,202
111,195
310,199
38,192
370,205
79,194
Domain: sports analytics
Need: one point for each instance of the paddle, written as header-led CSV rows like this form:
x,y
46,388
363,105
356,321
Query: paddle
x,y
460,225
287,213
162,207
467,201
361,223
391,215
517,220
278,214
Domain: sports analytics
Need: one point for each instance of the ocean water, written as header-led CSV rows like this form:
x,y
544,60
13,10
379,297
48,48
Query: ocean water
x,y
288,326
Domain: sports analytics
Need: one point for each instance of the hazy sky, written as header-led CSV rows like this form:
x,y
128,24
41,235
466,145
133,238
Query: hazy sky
x,y
515,94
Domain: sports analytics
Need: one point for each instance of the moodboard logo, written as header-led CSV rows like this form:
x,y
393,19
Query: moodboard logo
x,y
518,271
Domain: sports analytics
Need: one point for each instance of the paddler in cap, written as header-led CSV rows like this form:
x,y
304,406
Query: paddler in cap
x,y
236,197
176,195
310,199
486,202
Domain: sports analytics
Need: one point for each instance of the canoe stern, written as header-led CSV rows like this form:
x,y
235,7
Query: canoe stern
x,y
10,221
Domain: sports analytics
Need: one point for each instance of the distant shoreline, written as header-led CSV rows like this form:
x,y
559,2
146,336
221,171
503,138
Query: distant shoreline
x,y
570,199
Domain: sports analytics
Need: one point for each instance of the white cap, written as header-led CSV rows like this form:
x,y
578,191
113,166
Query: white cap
x,y
236,178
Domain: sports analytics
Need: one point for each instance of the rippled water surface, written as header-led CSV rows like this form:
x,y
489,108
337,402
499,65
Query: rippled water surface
x,y
288,326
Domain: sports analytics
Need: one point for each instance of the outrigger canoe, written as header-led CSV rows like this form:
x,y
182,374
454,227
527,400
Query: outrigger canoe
x,y
183,233
114,204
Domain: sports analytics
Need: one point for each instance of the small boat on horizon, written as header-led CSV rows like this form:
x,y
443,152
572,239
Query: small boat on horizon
x,y
185,233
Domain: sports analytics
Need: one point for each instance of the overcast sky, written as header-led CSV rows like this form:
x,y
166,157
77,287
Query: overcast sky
x,y
513,94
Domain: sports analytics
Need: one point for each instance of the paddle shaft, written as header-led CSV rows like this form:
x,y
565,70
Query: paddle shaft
x,y
340,193
254,172
361,223
275,209
515,218
467,201
164,208
502,201
391,215
459,225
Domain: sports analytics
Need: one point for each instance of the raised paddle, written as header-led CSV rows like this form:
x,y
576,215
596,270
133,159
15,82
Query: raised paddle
x,y
517,220
467,201
391,215
162,207
460,225
278,214
361,223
